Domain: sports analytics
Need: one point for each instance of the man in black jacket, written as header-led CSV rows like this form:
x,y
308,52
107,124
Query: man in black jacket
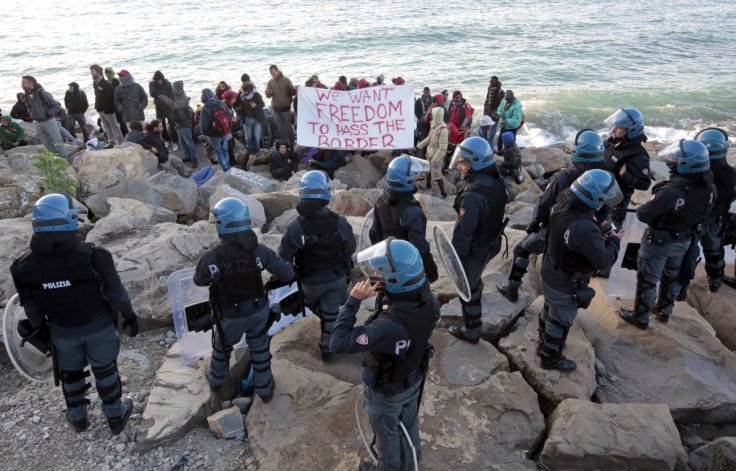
x,y
75,101
105,105
160,86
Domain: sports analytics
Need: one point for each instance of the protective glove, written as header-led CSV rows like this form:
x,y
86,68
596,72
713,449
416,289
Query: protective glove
x,y
132,325
430,268
533,227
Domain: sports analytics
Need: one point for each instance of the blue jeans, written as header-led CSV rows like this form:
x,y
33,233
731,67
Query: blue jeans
x,y
252,133
219,144
385,413
185,136
50,136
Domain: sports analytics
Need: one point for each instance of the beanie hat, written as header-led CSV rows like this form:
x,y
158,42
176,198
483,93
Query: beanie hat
x,y
123,73
245,78
363,83
158,75
507,138
398,81
509,94
486,120
229,95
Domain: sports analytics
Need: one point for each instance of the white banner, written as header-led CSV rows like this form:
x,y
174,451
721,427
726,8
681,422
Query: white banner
x,y
369,118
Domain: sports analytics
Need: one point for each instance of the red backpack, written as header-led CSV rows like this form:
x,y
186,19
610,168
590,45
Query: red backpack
x,y
220,125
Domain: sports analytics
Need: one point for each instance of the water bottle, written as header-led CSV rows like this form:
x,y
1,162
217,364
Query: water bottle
x,y
246,384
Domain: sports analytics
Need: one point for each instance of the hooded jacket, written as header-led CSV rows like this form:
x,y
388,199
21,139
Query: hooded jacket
x,y
211,103
181,112
280,90
510,114
163,110
436,141
130,99
75,101
10,134
104,96
41,104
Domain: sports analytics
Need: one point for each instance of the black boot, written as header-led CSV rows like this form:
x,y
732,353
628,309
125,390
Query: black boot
x,y
729,281
632,318
714,284
559,363
79,426
267,398
461,333
509,290
117,424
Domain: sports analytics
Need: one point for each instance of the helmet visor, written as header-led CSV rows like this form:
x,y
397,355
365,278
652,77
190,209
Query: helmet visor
x,y
621,118
376,258
613,194
457,158
671,153
418,167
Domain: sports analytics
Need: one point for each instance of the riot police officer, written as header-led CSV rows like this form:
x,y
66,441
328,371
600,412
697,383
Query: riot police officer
x,y
673,217
724,178
394,342
72,289
397,214
232,269
626,157
588,154
477,234
576,248
321,243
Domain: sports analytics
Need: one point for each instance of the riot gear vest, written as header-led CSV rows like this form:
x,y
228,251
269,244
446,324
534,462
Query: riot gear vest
x,y
322,244
491,221
64,285
724,177
564,258
617,152
390,216
239,274
693,199
394,373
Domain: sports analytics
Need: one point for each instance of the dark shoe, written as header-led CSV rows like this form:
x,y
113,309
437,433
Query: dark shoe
x,y
682,296
663,318
461,333
729,281
443,196
267,398
117,424
367,465
714,284
632,318
79,426
518,178
558,363
326,356
509,292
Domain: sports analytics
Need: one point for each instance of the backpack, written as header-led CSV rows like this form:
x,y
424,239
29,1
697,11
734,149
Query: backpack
x,y
181,115
220,125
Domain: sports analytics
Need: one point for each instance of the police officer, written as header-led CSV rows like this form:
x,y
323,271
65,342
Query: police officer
x,y
724,178
576,248
673,217
232,269
72,288
626,157
394,342
476,237
397,214
321,243
588,154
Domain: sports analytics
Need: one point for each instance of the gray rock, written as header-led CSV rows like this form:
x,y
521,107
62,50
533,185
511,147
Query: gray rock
x,y
435,208
243,403
257,214
716,308
720,454
277,203
249,182
177,194
521,218
696,373
126,216
105,168
553,386
584,436
227,423
359,173
535,170
279,224
14,239
349,203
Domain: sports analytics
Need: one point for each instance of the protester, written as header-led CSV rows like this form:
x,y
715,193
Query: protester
x,y
43,109
20,109
130,98
11,134
75,101
280,90
157,88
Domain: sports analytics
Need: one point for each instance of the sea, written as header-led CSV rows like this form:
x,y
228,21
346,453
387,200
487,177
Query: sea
x,y
571,62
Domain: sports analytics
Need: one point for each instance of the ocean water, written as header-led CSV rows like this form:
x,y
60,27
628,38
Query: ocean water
x,y
570,62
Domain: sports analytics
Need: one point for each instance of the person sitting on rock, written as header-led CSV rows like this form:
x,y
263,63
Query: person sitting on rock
x,y
152,140
321,244
397,214
478,231
511,165
136,132
394,343
72,296
232,270
283,163
11,134
328,160
576,247
588,154
20,109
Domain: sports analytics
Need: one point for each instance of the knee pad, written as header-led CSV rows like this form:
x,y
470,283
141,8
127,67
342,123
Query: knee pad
x,y
108,383
73,391
519,252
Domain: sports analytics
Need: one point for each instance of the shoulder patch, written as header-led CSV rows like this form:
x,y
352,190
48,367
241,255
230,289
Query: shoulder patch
x,y
362,339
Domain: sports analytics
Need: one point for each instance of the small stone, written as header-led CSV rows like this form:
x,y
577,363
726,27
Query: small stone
x,y
170,341
109,459
600,368
243,403
602,381
120,447
36,419
613,378
226,404
123,379
105,467
162,343
4,407
170,334
227,423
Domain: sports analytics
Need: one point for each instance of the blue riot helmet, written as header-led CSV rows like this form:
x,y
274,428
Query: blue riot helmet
x,y
597,187
314,185
716,140
404,171
475,149
588,147
686,155
54,213
398,262
231,216
629,118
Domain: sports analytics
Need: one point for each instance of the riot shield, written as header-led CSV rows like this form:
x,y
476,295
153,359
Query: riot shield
x,y
27,359
364,241
452,263
622,279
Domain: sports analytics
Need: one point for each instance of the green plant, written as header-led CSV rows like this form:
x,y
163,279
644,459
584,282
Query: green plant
x,y
54,171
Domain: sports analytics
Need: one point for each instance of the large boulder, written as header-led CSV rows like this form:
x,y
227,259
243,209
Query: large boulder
x,y
248,182
552,386
104,168
125,217
176,193
349,203
257,214
145,259
720,454
277,203
436,209
584,436
477,416
716,308
14,238
181,398
359,173
681,363
551,158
